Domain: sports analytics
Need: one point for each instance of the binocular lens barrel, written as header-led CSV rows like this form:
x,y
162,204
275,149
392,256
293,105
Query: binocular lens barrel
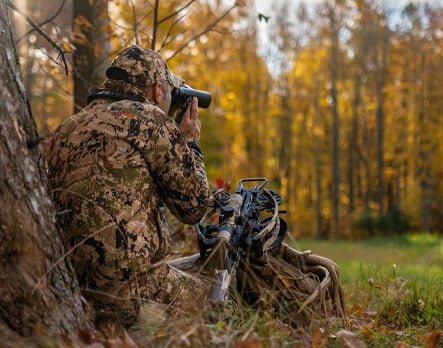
x,y
179,95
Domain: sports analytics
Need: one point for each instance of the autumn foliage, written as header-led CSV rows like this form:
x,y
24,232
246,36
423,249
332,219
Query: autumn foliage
x,y
339,104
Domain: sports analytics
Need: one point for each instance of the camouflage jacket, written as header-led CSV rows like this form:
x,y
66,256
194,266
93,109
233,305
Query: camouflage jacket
x,y
111,167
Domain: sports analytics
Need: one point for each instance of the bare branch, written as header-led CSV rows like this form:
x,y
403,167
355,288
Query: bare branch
x,y
168,34
134,17
175,13
37,28
206,30
50,19
155,24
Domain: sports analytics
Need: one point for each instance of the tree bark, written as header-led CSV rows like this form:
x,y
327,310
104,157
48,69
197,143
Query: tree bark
x,y
92,49
38,288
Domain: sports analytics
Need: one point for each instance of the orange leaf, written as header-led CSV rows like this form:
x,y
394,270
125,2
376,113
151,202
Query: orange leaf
x,y
319,340
367,330
433,339
252,343
284,281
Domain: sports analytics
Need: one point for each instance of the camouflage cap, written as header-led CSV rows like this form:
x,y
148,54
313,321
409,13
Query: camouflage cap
x,y
141,67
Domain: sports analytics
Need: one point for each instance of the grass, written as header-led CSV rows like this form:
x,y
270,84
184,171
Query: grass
x,y
392,286
392,289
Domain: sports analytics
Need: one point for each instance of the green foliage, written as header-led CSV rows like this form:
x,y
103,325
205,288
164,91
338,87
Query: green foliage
x,y
365,220
393,222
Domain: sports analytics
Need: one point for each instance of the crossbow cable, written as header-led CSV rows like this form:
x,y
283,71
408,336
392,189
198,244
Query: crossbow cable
x,y
273,225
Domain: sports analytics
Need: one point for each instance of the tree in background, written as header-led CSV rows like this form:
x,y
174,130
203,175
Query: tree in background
x,y
275,118
380,128
419,49
91,36
47,86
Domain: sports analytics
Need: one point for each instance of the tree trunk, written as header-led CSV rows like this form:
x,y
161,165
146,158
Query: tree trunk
x,y
335,125
367,157
38,288
318,165
353,141
381,63
92,48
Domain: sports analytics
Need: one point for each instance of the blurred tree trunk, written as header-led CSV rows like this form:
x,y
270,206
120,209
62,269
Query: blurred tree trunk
x,y
318,172
283,38
334,32
254,101
380,60
426,117
367,157
92,42
352,161
425,149
38,288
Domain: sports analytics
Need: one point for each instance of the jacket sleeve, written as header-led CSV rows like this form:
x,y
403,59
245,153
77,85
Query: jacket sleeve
x,y
178,170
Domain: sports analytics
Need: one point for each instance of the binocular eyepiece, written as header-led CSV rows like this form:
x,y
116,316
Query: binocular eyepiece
x,y
181,95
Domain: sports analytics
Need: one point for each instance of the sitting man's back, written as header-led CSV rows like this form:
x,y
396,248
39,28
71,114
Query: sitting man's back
x,y
111,167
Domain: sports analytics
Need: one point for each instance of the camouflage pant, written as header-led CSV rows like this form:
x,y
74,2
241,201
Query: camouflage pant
x,y
149,297
296,286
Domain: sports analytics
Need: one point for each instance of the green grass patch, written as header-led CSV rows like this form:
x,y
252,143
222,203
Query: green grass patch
x,y
392,285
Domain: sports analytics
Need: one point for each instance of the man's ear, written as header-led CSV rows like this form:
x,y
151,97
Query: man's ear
x,y
157,93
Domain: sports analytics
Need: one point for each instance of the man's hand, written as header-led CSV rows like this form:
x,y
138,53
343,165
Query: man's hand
x,y
190,124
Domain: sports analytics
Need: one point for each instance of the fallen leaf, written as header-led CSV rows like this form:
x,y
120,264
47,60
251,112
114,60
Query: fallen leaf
x,y
433,339
284,281
350,339
319,340
366,330
253,343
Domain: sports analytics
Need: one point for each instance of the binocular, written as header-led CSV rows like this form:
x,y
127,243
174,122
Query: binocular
x,y
182,94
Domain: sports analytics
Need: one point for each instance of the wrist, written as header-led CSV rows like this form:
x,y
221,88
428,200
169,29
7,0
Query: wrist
x,y
191,139
193,145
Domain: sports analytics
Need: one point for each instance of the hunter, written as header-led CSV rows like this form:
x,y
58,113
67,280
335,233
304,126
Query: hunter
x,y
112,168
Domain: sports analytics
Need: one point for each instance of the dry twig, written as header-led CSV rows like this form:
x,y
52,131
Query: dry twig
x,y
62,51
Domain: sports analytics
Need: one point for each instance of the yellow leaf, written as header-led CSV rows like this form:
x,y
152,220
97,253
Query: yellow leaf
x,y
68,47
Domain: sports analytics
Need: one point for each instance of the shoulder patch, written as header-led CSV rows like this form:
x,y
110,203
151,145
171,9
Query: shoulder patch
x,y
121,113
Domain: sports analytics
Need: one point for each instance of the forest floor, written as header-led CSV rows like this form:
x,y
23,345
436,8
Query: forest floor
x,y
393,292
